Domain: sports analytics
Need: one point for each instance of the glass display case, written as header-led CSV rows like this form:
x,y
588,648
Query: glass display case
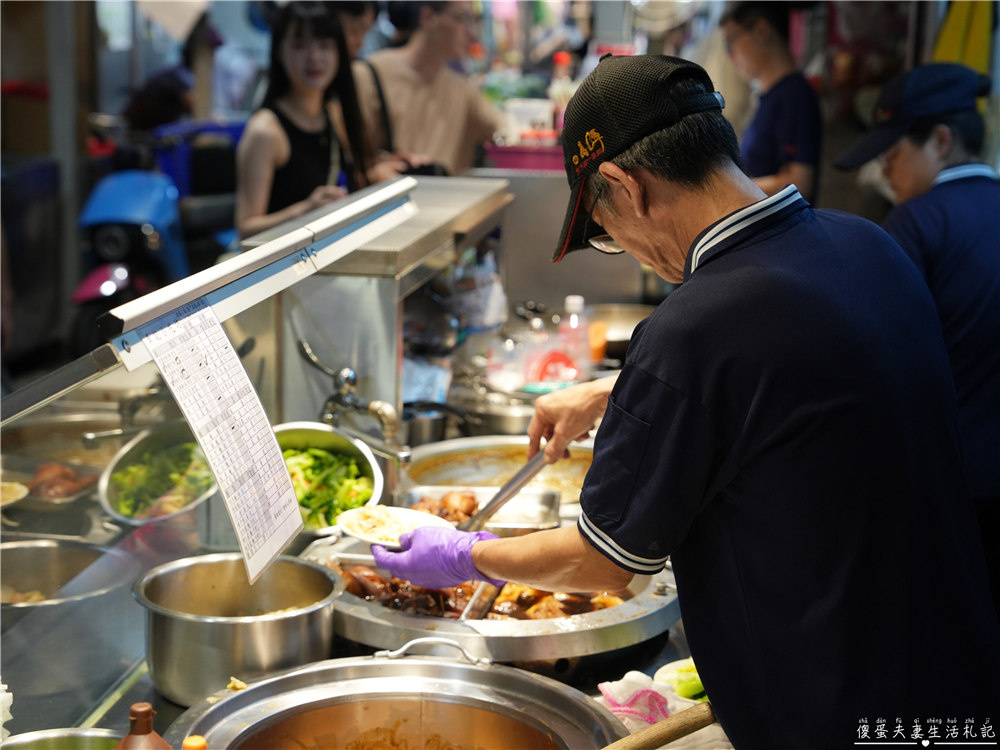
x,y
73,637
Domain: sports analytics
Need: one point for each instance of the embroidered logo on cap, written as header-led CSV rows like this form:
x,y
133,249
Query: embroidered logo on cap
x,y
883,115
590,147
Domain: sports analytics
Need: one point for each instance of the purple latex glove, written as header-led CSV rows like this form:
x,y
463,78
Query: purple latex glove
x,y
434,557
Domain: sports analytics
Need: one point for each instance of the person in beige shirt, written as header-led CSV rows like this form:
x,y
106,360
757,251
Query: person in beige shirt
x,y
432,111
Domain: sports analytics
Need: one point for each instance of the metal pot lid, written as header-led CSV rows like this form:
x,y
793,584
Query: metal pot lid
x,y
651,611
230,718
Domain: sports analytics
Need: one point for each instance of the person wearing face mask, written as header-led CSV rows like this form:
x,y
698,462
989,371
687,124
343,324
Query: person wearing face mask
x,y
784,430
414,104
781,145
302,149
928,135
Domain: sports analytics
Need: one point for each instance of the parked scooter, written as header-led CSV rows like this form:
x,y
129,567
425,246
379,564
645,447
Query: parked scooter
x,y
142,229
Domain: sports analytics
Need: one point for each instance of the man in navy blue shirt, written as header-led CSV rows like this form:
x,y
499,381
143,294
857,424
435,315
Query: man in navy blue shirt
x,y
784,428
928,134
781,144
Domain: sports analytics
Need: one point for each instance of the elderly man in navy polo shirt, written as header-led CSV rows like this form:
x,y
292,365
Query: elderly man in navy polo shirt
x,y
784,428
928,135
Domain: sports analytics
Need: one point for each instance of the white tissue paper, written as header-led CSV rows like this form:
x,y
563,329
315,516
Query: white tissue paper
x,y
638,701
6,699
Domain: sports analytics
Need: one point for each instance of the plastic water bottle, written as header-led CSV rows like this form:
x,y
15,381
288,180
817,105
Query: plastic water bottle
x,y
574,339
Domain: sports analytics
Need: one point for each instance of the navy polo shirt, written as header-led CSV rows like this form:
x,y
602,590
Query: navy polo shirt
x,y
787,127
952,234
785,428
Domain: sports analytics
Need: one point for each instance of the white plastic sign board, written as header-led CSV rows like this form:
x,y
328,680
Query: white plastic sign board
x,y
207,379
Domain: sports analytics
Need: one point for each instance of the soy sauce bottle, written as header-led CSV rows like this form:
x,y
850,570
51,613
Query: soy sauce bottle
x,y
140,732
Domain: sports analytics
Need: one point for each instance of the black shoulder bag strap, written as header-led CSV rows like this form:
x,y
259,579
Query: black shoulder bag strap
x,y
386,127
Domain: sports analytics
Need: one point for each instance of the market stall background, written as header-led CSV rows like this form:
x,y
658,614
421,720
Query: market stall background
x,y
333,348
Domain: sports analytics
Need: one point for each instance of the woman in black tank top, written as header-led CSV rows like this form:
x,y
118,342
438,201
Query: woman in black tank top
x,y
308,165
291,158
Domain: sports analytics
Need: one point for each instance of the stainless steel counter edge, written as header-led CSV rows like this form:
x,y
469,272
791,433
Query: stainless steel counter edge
x,y
448,207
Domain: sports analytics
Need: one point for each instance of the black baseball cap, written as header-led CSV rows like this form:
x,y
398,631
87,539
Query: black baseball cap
x,y
925,91
622,101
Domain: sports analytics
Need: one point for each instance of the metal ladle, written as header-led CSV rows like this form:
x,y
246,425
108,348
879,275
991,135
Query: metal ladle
x,y
510,488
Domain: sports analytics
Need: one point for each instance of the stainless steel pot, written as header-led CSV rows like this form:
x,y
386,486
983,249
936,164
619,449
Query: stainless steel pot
x,y
491,461
205,623
496,418
302,435
411,702
650,612
63,739
64,571
420,428
58,437
154,439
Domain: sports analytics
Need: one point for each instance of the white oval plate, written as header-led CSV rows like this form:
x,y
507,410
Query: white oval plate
x,y
363,523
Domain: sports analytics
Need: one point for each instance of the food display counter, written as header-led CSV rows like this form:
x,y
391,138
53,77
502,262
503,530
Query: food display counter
x,y
75,647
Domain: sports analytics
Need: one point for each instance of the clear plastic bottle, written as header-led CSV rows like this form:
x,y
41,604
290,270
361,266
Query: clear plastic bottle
x,y
574,339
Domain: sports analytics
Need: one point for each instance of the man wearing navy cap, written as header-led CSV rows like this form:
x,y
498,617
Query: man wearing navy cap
x,y
784,429
928,134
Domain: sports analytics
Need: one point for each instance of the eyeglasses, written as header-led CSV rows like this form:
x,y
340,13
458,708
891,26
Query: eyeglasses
x,y
604,243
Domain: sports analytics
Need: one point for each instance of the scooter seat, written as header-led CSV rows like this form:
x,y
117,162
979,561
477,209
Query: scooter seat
x,y
205,214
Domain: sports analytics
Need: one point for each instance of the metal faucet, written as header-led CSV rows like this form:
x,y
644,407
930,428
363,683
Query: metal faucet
x,y
384,413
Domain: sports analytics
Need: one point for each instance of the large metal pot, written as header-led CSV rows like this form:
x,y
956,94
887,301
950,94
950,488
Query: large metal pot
x,y
206,623
497,417
58,437
63,571
650,612
411,702
63,739
491,461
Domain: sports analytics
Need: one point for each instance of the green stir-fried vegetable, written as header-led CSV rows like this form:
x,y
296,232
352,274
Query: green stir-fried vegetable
x,y
163,482
326,484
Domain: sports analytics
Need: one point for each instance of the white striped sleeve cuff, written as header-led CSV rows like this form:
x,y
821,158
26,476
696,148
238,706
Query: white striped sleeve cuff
x,y
625,559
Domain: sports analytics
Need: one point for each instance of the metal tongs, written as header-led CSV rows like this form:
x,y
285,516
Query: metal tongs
x,y
513,485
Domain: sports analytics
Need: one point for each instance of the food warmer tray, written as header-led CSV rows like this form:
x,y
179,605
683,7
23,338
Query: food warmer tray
x,y
651,611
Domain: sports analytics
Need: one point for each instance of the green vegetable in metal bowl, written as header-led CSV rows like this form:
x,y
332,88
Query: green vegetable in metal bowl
x,y
326,484
163,482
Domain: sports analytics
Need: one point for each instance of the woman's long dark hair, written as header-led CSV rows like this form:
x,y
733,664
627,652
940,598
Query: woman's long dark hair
x,y
297,17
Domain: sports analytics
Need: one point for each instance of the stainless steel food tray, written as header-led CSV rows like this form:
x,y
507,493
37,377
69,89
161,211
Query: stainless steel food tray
x,y
530,510
22,469
651,611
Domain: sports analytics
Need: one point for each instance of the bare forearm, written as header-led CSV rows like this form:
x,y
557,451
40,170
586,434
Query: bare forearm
x,y
556,560
252,225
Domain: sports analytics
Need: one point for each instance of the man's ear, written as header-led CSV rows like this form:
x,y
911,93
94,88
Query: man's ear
x,y
944,140
762,30
633,186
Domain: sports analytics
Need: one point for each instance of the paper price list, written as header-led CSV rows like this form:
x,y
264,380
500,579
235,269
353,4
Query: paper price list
x,y
211,387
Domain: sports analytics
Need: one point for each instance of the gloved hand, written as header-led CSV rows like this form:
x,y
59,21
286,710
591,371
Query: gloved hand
x,y
434,557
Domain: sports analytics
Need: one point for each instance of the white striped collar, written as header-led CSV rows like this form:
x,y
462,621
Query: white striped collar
x,y
963,171
742,219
